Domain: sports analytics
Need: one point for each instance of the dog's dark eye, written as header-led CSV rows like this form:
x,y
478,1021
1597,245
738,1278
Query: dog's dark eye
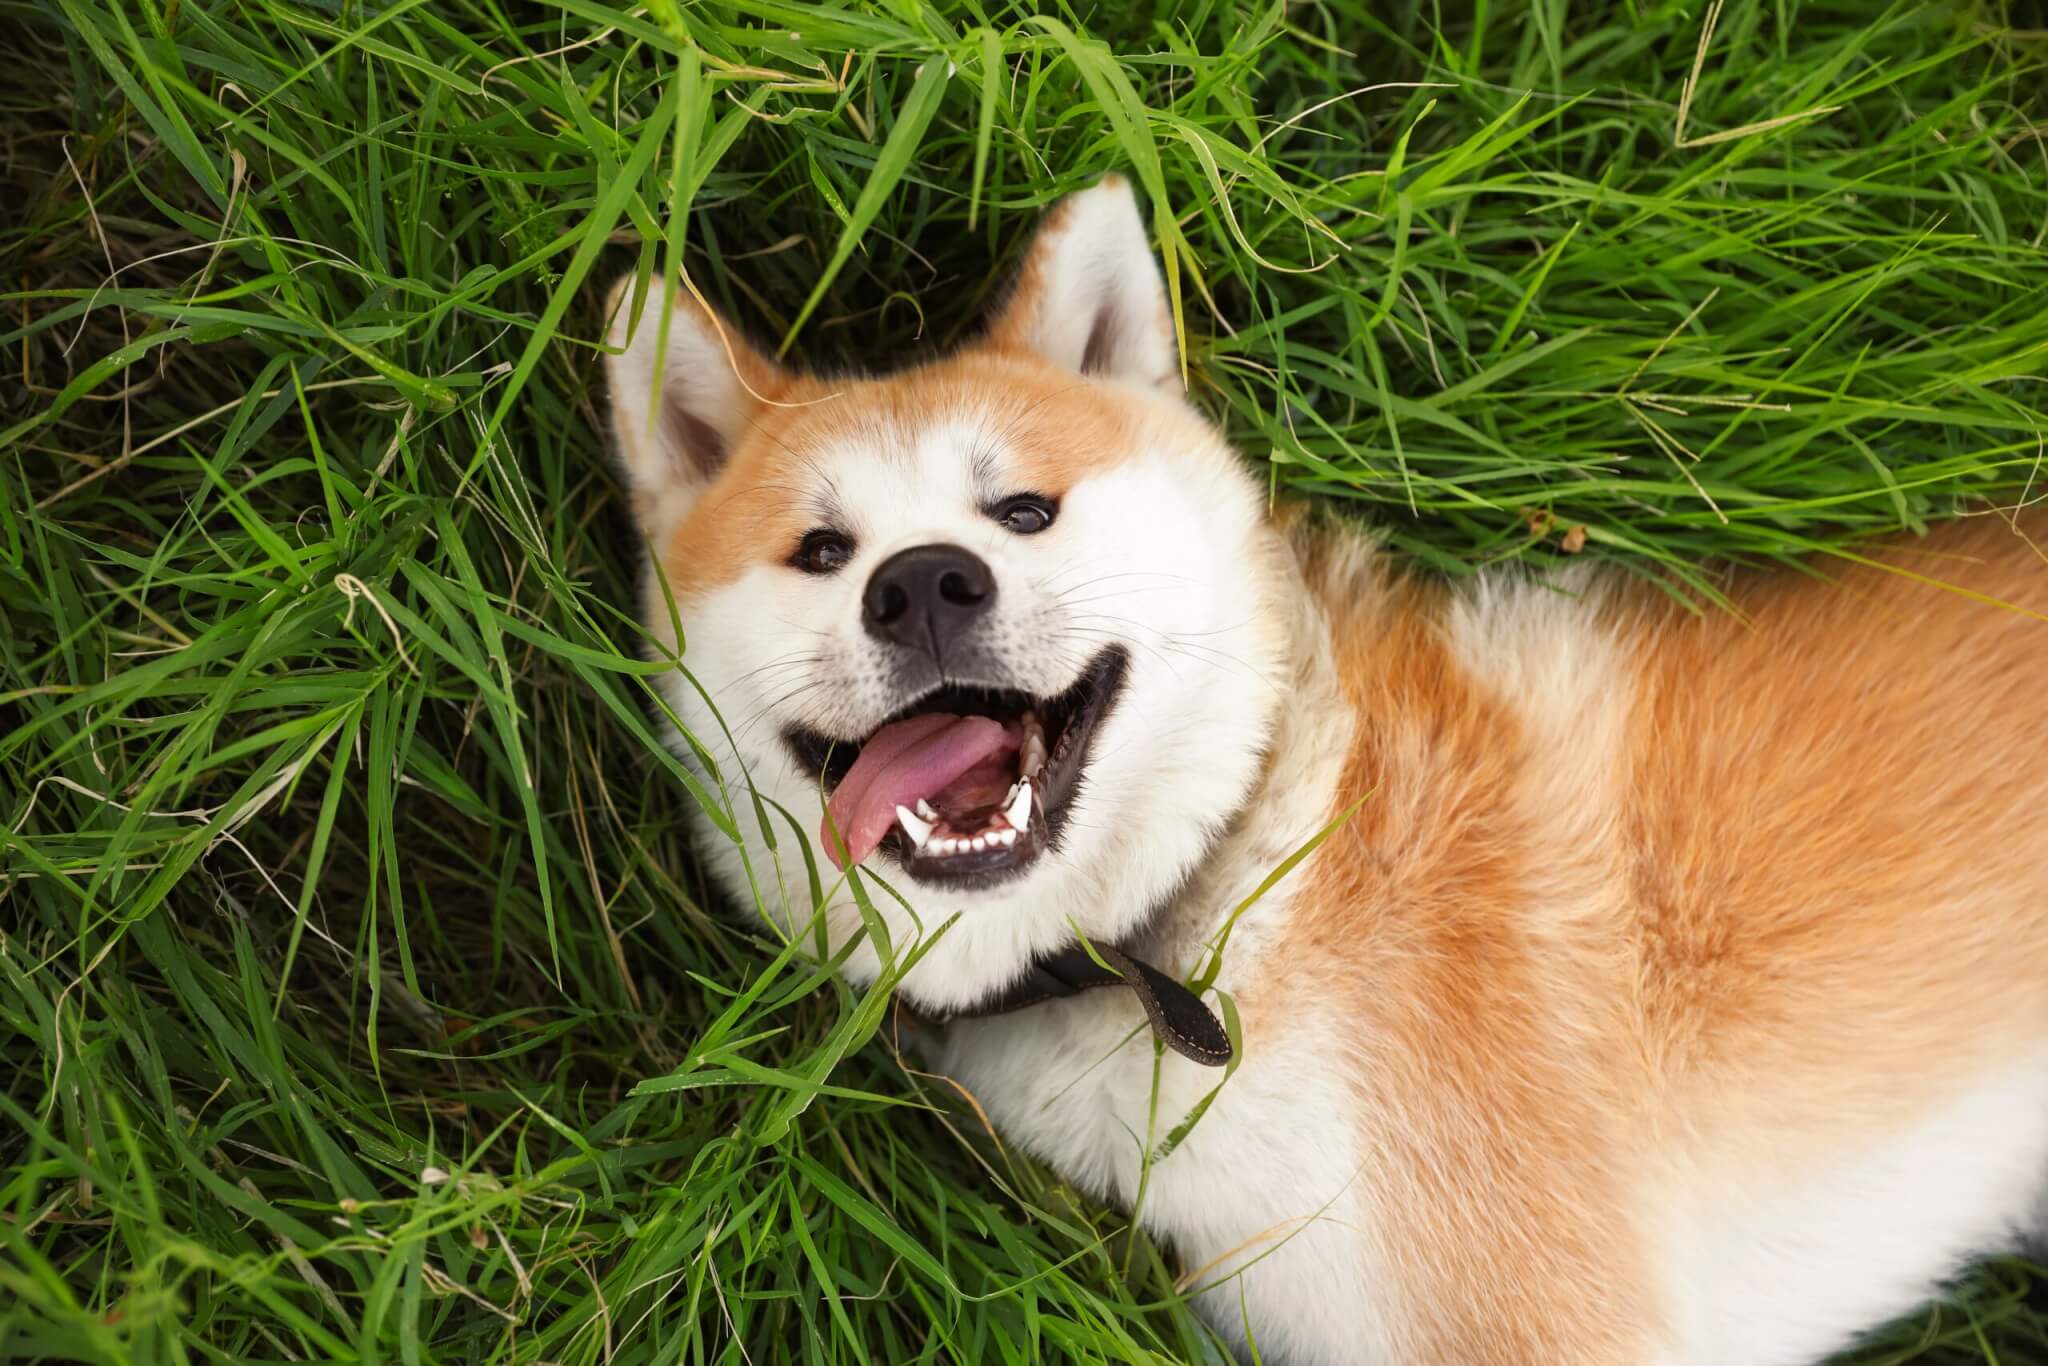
x,y
822,551
1026,514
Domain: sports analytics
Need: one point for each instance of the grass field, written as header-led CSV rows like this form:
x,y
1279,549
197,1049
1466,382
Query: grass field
x,y
358,996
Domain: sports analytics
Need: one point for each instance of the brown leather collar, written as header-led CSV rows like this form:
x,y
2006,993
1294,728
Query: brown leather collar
x,y
1176,1014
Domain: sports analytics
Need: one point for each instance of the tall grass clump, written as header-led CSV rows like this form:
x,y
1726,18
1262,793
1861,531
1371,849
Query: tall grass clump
x,y
359,996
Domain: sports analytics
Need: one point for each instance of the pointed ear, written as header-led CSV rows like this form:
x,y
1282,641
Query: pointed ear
x,y
680,403
1089,297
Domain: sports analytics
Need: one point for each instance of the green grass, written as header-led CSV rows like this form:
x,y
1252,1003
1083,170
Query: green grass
x,y
358,995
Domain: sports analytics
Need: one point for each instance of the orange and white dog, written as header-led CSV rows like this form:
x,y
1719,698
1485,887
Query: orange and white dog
x,y
1678,992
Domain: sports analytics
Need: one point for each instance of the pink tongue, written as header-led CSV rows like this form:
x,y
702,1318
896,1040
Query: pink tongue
x,y
902,763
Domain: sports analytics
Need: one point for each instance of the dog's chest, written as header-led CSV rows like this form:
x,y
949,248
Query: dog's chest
x,y
1262,1200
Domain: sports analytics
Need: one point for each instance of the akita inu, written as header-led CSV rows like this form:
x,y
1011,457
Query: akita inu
x,y
1675,990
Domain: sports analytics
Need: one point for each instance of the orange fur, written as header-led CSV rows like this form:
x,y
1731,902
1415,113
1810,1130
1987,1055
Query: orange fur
x,y
1815,898
1055,428
1489,1079
1839,869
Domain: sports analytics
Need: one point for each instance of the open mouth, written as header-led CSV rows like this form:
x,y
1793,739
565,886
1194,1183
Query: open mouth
x,y
966,785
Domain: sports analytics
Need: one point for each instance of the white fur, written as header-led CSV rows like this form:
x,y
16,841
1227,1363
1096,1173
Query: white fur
x,y
1541,649
1265,1200
1100,285
1805,1253
776,648
1173,758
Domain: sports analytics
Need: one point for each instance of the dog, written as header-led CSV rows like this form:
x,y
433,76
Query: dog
x,y
1593,977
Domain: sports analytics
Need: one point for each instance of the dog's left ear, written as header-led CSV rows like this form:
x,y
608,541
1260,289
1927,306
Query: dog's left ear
x,y
1089,297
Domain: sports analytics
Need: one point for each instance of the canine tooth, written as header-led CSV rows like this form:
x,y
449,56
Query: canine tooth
x,y
1018,812
979,842
920,831
924,809
1032,753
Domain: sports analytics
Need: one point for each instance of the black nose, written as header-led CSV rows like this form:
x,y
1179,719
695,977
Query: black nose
x,y
927,597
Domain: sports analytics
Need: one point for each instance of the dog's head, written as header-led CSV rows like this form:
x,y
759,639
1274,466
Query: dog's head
x,y
1001,628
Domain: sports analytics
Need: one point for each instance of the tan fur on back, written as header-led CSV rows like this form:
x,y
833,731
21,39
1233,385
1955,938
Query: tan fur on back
x,y
1750,871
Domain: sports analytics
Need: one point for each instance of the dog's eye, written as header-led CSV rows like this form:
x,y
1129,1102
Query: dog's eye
x,y
822,551
1025,514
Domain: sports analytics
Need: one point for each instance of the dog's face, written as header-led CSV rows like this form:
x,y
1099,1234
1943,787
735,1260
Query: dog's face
x,y
1000,629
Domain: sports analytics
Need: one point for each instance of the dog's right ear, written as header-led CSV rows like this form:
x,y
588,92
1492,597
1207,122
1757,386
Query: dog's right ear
x,y
1089,297
679,403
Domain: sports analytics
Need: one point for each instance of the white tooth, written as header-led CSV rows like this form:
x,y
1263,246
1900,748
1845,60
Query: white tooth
x,y
979,842
1008,837
1018,812
924,809
920,831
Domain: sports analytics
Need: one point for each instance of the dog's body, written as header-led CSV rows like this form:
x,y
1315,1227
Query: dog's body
x,y
1678,991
